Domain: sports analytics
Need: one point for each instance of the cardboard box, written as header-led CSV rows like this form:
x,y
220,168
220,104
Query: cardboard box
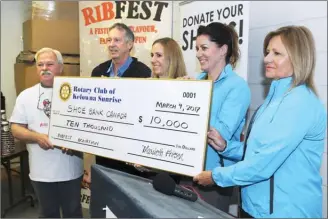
x,y
62,35
51,10
26,75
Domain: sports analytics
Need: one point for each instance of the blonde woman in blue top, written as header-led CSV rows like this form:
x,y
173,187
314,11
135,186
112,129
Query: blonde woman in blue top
x,y
280,172
218,54
167,63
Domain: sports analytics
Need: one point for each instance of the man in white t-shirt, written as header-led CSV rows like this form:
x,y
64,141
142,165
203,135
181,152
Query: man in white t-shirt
x,y
55,174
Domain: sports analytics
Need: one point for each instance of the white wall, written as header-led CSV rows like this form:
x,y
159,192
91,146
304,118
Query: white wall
x,y
11,45
269,15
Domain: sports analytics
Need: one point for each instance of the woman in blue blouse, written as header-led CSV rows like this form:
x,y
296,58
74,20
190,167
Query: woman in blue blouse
x,y
280,172
218,54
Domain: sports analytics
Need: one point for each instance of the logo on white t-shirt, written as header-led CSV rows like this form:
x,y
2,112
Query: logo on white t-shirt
x,y
47,107
44,124
45,104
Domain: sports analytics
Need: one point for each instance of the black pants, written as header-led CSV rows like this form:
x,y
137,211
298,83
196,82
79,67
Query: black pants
x,y
117,165
244,214
55,195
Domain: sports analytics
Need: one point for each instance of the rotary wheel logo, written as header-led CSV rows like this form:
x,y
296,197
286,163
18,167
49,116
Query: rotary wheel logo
x,y
65,91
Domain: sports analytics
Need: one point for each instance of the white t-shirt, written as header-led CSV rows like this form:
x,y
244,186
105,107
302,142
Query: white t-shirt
x,y
32,108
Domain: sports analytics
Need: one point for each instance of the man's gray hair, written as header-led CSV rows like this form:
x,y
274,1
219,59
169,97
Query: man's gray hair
x,y
45,50
129,35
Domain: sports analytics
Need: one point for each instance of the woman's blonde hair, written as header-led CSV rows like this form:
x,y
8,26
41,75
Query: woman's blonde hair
x,y
172,55
300,47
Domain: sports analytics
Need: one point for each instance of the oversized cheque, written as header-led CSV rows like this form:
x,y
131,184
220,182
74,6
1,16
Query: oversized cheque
x,y
157,123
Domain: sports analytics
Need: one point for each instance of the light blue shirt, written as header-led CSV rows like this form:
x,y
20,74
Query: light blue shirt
x,y
287,141
121,70
231,98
